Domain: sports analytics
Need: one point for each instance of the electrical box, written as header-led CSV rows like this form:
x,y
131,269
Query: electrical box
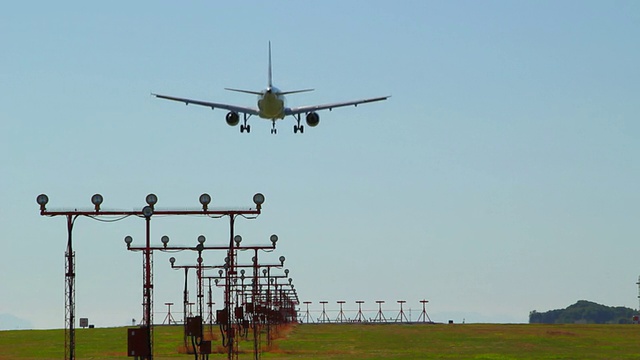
x,y
205,347
194,326
221,316
239,312
138,342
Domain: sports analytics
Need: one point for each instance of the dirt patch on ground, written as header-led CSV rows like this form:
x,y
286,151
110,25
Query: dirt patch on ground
x,y
560,333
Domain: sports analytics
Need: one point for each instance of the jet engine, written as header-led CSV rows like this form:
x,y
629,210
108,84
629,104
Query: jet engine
x,y
313,119
232,118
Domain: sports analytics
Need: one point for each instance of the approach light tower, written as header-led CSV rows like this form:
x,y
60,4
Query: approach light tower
x,y
638,283
147,212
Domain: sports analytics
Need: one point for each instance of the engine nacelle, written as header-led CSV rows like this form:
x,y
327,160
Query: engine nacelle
x,y
313,119
232,118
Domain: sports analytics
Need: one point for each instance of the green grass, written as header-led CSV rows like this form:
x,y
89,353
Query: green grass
x,y
470,341
480,341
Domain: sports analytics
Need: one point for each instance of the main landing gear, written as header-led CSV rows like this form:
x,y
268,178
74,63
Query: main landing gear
x,y
244,126
273,127
298,127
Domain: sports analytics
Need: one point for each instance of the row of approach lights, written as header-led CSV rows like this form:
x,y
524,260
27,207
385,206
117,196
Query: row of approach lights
x,y
151,199
242,272
201,240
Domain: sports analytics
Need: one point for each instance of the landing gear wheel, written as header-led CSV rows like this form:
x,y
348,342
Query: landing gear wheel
x,y
295,129
274,131
248,128
241,129
301,128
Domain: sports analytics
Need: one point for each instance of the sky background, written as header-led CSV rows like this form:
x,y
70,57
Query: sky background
x,y
501,177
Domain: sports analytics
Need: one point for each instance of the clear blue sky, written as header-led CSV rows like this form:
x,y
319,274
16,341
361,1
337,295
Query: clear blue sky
x,y
501,177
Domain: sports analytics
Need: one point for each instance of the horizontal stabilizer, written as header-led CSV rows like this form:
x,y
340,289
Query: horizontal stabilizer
x,y
245,91
294,91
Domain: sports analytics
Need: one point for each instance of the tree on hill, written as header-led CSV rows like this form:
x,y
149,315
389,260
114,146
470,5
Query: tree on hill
x,y
584,312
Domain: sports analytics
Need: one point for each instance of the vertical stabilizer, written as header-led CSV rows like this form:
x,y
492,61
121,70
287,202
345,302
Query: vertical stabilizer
x,y
270,82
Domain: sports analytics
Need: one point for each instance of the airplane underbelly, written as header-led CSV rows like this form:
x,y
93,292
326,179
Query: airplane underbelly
x,y
271,109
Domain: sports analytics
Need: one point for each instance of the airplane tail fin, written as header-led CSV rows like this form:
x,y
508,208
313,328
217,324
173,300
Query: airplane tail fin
x,y
270,85
270,76
271,79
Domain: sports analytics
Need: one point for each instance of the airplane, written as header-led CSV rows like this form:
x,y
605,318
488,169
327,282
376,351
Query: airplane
x,y
271,106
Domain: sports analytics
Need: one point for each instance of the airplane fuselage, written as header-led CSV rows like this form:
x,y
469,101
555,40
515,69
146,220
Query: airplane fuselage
x,y
271,104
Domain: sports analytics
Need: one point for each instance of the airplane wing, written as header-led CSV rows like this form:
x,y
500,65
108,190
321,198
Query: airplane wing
x,y
212,105
311,108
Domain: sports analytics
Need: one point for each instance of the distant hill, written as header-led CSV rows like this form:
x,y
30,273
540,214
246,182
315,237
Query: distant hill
x,y
585,312
11,322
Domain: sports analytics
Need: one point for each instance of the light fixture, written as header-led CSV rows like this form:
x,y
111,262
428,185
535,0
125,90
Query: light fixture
x,y
165,240
42,200
128,240
220,272
199,248
242,272
199,258
216,281
286,272
201,239
264,272
281,258
237,239
205,200
258,199
172,260
290,281
96,200
254,259
274,239
147,211
151,199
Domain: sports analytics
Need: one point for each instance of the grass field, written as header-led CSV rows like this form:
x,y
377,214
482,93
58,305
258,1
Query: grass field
x,y
402,341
